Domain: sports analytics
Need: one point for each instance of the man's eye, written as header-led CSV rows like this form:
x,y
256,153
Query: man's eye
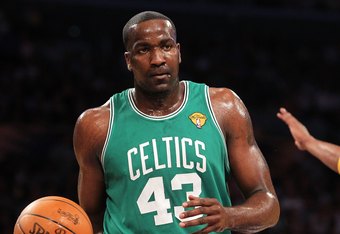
x,y
167,47
143,50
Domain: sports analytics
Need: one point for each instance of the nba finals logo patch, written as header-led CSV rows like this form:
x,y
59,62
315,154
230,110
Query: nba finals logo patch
x,y
198,119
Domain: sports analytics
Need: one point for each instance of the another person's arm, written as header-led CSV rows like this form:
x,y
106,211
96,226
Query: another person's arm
x,y
261,207
88,140
327,153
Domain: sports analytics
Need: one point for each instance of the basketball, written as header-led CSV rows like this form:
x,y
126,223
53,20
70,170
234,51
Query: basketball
x,y
53,214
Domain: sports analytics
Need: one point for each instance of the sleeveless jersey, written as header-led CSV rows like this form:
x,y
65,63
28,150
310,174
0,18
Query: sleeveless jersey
x,y
152,164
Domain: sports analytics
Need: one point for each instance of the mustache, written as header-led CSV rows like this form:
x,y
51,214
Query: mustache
x,y
159,71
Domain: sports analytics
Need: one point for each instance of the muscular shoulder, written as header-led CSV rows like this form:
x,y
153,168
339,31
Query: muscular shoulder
x,y
95,116
228,107
226,101
91,129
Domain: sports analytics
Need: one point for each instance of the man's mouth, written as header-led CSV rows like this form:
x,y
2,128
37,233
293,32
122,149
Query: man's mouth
x,y
160,74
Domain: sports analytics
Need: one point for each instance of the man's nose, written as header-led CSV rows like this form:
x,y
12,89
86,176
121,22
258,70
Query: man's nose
x,y
157,57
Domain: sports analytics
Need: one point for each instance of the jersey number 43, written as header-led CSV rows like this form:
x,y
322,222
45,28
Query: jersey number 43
x,y
160,204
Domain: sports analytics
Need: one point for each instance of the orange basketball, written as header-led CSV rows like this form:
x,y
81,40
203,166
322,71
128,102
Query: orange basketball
x,y
53,214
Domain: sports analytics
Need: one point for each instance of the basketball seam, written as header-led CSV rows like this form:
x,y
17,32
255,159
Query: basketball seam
x,y
41,216
53,199
61,200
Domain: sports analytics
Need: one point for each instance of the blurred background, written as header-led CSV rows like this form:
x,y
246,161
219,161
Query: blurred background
x,y
60,57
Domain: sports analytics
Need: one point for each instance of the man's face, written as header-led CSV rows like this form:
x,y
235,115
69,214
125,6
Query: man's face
x,y
153,56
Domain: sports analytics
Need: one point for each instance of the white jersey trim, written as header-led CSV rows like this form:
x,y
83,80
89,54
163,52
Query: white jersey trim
x,y
108,134
208,100
158,118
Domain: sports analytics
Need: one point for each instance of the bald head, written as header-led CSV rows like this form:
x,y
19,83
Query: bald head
x,y
139,18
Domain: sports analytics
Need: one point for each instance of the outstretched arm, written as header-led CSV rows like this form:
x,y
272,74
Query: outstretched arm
x,y
327,153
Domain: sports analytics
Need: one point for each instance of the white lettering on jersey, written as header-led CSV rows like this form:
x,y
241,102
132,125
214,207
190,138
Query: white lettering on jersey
x,y
129,154
144,158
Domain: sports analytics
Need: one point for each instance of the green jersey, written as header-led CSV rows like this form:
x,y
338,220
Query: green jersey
x,y
153,163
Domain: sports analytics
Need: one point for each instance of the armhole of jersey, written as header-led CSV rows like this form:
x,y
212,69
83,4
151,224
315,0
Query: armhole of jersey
x,y
212,114
208,101
102,157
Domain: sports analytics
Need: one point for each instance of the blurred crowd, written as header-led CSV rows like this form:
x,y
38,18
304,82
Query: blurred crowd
x,y
59,58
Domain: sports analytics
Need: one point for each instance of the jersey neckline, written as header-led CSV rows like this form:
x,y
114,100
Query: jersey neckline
x,y
170,115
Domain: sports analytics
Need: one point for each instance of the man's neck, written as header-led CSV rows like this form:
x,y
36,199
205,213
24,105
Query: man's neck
x,y
159,104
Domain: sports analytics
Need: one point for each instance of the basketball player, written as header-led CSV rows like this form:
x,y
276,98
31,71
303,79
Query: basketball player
x,y
156,157
327,153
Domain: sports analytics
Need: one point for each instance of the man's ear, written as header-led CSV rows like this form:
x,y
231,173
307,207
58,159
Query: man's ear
x,y
179,53
127,60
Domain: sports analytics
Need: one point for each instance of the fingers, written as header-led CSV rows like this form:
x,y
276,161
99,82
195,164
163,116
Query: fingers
x,y
201,211
196,201
208,220
284,115
208,212
281,112
211,222
203,206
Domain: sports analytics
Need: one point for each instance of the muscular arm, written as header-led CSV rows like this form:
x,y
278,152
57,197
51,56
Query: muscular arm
x,y
327,153
260,209
88,140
